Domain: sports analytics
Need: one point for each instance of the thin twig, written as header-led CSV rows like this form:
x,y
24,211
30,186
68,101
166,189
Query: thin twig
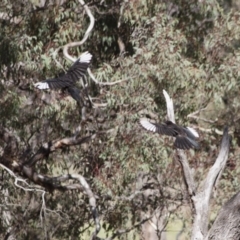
x,y
29,188
107,83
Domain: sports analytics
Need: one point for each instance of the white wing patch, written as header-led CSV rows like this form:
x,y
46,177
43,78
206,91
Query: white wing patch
x,y
194,132
147,125
85,57
41,85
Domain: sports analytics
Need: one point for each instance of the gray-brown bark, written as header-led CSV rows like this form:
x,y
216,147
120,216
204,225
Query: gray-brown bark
x,y
227,223
201,199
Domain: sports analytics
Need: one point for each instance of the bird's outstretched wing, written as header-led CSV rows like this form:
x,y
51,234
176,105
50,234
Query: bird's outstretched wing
x,y
191,133
185,137
165,128
185,143
75,72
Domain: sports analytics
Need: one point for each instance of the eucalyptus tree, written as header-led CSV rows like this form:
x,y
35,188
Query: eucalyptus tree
x,y
66,172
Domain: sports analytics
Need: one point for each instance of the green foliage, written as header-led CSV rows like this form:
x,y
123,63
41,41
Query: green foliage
x,y
191,49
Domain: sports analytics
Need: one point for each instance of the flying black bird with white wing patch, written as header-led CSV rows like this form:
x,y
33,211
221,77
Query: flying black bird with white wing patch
x,y
69,79
185,136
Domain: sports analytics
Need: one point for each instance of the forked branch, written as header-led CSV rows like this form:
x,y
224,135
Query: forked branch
x,y
55,184
202,199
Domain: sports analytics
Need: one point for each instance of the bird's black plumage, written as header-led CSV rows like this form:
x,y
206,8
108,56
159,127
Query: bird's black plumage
x,y
68,80
75,93
185,137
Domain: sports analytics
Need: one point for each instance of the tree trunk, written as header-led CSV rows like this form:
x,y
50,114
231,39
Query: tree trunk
x,y
227,223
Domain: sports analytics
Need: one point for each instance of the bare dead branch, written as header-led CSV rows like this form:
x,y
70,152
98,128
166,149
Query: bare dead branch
x,y
226,225
75,44
79,43
181,157
90,27
92,201
216,170
187,173
107,83
212,130
194,116
202,199
7,217
37,178
170,108
52,146
28,188
83,186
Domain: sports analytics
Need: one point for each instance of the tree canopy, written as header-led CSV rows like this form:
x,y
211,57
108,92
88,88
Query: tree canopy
x,y
66,168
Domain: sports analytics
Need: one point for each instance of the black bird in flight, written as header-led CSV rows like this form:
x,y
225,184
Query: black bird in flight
x,y
69,79
185,136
